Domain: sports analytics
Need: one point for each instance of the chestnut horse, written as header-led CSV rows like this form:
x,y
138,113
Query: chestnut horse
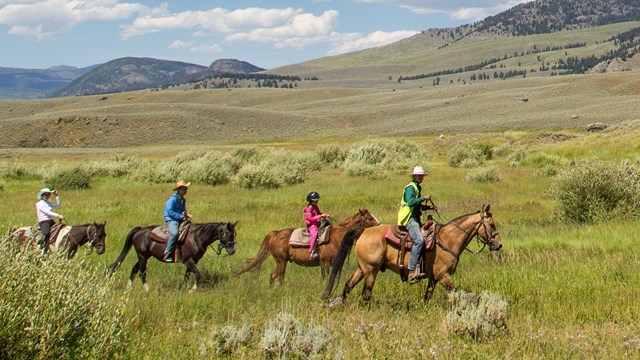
x,y
374,253
276,243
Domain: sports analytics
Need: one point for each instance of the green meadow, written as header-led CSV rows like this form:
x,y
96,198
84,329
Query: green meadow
x,y
571,287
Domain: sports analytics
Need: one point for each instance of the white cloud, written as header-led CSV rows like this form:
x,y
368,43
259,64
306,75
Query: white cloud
x,y
455,9
192,46
353,42
216,21
43,18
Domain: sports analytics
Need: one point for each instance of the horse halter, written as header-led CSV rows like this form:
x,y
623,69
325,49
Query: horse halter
x,y
224,243
490,235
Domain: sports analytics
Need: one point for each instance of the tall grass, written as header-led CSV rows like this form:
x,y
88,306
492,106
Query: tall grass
x,y
379,158
54,308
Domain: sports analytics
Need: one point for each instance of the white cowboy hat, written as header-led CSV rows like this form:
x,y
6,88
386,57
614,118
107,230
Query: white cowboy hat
x,y
418,170
42,192
180,184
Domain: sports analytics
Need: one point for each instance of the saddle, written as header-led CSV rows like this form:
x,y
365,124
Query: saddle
x,y
300,237
161,233
399,237
58,233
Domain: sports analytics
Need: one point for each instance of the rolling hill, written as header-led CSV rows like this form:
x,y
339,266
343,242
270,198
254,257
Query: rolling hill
x,y
18,83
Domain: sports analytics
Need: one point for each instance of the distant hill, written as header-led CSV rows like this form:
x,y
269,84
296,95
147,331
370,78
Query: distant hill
x,y
18,83
232,66
130,73
546,16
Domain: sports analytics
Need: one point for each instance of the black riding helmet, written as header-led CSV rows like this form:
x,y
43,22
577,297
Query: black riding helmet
x,y
313,196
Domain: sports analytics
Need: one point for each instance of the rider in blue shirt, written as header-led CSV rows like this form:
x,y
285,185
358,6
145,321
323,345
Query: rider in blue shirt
x,y
175,212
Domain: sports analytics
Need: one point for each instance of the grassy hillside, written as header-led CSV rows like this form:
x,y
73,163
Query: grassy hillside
x,y
424,53
247,115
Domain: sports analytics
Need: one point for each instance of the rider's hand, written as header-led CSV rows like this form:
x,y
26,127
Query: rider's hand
x,y
55,192
188,216
427,197
325,215
60,217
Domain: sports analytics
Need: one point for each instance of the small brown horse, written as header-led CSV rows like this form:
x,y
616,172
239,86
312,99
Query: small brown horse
x,y
72,238
191,250
374,253
276,243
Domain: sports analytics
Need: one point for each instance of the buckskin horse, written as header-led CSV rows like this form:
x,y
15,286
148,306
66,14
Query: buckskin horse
x,y
190,251
277,244
70,237
375,253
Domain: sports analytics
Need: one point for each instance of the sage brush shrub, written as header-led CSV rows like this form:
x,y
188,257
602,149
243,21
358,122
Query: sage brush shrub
x,y
332,154
478,316
67,177
377,158
286,336
20,171
278,168
213,168
484,175
597,190
467,154
227,339
57,309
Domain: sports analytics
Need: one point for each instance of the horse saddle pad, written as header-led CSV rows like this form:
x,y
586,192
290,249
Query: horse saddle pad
x,y
395,235
300,237
161,233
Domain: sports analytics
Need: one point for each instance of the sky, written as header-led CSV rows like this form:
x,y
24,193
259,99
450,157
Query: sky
x,y
39,34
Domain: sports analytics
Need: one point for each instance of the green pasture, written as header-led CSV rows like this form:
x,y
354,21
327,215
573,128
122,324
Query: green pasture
x,y
572,288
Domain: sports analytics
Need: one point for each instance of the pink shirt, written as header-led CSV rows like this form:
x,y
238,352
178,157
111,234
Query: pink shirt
x,y
312,215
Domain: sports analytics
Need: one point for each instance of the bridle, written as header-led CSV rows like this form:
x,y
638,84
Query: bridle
x,y
91,241
226,244
485,241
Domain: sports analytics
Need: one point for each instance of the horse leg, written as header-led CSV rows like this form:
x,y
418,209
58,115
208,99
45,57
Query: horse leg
x,y
278,271
134,271
143,272
352,282
447,282
369,281
430,288
73,248
191,267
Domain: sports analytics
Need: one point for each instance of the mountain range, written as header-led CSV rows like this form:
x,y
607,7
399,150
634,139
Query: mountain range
x,y
537,38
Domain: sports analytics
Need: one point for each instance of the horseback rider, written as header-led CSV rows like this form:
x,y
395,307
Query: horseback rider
x,y
175,213
312,217
45,216
409,215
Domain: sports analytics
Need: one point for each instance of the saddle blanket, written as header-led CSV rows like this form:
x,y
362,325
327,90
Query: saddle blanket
x,y
300,237
31,233
161,233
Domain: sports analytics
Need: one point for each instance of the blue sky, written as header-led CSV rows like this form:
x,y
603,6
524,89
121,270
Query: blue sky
x,y
44,33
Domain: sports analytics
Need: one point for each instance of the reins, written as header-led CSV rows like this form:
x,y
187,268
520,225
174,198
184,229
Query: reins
x,y
469,234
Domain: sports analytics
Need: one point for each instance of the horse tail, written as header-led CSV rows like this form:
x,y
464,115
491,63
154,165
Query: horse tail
x,y
128,243
263,253
338,262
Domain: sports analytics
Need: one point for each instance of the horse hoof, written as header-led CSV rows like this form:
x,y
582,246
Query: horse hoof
x,y
129,284
145,287
194,288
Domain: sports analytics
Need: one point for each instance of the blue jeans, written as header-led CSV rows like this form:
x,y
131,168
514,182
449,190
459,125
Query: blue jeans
x,y
418,242
173,227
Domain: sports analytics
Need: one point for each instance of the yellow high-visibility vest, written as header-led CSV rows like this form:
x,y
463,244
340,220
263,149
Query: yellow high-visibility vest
x,y
405,210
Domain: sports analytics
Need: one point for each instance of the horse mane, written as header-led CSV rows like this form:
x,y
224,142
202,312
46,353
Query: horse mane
x,y
199,228
462,216
348,220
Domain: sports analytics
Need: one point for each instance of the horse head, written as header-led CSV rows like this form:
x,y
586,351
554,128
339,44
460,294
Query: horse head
x,y
488,231
367,219
228,237
98,238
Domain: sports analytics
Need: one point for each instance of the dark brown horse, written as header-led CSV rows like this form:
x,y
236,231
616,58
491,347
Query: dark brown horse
x,y
277,244
375,253
191,250
70,238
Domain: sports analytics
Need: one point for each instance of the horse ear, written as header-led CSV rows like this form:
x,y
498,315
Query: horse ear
x,y
485,209
236,223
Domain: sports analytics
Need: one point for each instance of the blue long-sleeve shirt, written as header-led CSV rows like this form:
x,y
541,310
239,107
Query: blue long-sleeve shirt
x,y
174,208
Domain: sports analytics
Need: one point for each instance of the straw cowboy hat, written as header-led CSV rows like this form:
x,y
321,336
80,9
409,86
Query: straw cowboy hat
x,y
180,184
42,192
418,170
